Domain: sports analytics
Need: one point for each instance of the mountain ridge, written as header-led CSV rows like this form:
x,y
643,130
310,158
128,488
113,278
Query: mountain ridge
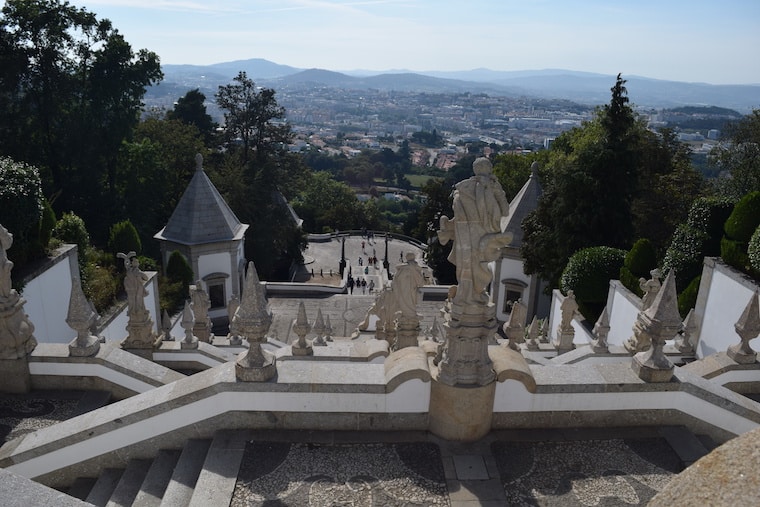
x,y
578,86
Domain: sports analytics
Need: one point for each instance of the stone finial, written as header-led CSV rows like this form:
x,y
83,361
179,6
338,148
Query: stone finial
x,y
80,318
601,331
514,328
533,333
328,328
187,322
252,320
198,162
688,327
660,322
319,329
747,327
166,326
301,328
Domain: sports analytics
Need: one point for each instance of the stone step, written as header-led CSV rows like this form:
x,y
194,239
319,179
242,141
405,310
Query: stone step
x,y
81,487
180,488
688,447
216,482
129,484
157,478
105,485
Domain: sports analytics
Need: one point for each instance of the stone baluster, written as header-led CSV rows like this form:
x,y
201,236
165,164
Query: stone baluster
x,y
301,328
660,322
252,320
747,327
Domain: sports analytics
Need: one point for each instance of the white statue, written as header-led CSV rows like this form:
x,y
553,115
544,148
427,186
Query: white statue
x,y
480,206
650,287
406,284
134,284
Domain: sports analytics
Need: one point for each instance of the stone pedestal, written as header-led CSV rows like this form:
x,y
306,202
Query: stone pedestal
x,y
302,350
465,360
652,365
84,347
461,413
255,365
203,331
407,332
16,378
739,354
564,342
189,343
139,332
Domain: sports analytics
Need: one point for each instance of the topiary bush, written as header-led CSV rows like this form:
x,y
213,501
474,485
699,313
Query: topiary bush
x,y
744,219
178,269
71,229
734,253
708,214
685,254
123,238
688,298
639,261
753,252
588,273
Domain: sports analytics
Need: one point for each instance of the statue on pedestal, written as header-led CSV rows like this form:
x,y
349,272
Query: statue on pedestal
x,y
480,212
16,330
200,304
140,325
405,291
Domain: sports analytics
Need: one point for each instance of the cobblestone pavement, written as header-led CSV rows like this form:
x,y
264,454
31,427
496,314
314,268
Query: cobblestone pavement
x,y
492,472
22,414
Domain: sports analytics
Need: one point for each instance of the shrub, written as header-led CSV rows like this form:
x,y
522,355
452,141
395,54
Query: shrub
x,y
588,274
639,261
172,295
47,224
708,214
753,251
744,219
734,253
123,238
71,229
688,298
685,254
178,269
99,285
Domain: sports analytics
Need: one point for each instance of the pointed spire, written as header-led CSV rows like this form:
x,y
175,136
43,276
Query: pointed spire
x,y
747,327
253,308
688,327
80,318
664,308
601,331
319,329
533,333
301,327
328,328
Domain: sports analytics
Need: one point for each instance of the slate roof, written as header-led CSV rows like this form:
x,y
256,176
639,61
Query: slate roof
x,y
524,202
202,215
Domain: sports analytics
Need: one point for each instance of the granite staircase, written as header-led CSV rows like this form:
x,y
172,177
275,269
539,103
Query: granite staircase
x,y
203,473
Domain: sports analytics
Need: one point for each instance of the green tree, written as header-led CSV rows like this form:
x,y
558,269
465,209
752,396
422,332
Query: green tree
x,y
324,203
124,238
253,117
437,204
191,110
738,158
21,206
590,183
72,91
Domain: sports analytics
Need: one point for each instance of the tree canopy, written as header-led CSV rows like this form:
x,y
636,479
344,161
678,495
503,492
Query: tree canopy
x,y
70,92
738,158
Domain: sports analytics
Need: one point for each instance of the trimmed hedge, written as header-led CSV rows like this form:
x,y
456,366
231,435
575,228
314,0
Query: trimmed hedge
x,y
688,298
753,251
744,219
123,238
71,229
686,254
639,261
734,253
709,214
588,274
21,207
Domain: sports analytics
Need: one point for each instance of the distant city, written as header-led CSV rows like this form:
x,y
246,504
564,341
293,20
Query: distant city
x,y
338,113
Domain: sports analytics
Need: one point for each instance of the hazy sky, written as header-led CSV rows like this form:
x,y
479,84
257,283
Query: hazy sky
x,y
713,41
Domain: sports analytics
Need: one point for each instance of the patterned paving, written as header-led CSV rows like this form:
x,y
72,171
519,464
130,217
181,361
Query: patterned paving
x,y
585,473
20,415
285,474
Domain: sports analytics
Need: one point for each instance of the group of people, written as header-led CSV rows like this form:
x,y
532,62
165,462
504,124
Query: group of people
x,y
371,261
360,283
